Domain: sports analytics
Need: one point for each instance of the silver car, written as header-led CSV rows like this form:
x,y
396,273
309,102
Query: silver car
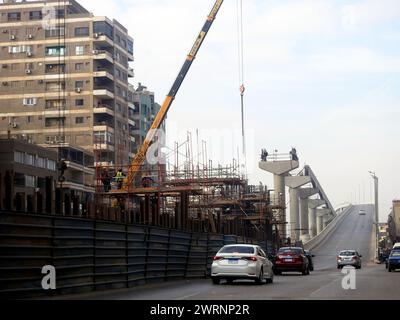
x,y
241,261
349,258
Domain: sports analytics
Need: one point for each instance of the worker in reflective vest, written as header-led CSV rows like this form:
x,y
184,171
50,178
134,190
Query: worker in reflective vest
x,y
119,178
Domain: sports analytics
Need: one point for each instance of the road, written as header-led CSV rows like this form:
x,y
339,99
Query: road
x,y
354,232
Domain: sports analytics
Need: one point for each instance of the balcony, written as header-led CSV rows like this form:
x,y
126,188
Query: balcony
x,y
103,94
101,108
103,55
102,40
103,74
103,126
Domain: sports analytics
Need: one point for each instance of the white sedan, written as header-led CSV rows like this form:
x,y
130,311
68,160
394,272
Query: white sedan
x,y
241,261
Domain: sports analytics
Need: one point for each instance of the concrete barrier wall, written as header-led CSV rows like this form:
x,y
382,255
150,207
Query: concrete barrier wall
x,y
98,255
330,228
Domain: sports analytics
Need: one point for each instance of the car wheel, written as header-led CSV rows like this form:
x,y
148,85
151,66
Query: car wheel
x,y
277,272
215,280
260,278
271,279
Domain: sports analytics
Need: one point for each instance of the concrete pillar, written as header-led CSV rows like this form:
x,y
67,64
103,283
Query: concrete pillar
x,y
312,215
304,194
294,183
280,169
320,225
321,214
294,213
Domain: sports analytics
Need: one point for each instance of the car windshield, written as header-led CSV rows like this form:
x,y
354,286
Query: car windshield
x,y
395,254
347,253
237,249
290,250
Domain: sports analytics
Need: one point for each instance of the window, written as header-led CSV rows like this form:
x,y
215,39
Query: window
x,y
14,16
29,159
60,13
55,32
79,50
29,101
30,181
130,46
19,157
81,32
35,15
118,38
79,84
41,162
79,120
102,27
79,102
79,66
29,119
51,165
55,51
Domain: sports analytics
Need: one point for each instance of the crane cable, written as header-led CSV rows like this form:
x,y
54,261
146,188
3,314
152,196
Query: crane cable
x,y
240,40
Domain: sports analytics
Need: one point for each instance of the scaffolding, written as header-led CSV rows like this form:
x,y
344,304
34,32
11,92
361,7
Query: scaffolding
x,y
188,192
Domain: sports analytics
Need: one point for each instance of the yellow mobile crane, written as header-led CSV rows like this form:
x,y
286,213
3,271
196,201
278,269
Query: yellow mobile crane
x,y
141,154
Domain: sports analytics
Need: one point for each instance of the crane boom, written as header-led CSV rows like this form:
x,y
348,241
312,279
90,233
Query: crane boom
x,y
141,154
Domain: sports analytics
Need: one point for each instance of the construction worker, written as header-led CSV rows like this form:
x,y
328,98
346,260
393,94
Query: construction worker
x,y
106,179
119,178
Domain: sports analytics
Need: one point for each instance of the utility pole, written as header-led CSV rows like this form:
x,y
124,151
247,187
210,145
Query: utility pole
x,y
373,175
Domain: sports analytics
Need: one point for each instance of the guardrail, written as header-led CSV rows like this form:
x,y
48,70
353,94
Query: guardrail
x,y
328,230
91,255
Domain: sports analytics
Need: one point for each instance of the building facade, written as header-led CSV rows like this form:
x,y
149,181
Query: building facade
x,y
28,177
64,81
394,222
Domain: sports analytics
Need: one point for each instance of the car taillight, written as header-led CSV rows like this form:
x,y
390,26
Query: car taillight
x,y
251,258
217,258
354,258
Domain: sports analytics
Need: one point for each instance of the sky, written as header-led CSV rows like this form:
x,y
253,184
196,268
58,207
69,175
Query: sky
x,y
320,75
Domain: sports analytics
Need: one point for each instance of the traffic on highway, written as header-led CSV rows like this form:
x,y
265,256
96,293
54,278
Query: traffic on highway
x,y
340,267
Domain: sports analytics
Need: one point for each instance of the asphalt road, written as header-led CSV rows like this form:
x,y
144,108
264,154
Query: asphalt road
x,y
354,232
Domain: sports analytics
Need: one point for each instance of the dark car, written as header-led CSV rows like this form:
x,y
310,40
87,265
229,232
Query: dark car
x,y
310,260
291,259
387,259
394,261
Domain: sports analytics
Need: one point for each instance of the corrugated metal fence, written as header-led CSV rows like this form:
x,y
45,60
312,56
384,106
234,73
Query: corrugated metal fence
x,y
97,255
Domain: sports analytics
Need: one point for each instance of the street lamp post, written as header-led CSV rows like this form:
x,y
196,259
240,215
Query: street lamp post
x,y
373,175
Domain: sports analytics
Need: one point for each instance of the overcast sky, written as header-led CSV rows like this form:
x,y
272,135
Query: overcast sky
x,y
321,75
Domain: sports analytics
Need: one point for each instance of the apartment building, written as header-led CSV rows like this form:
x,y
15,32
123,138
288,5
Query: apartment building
x,y
64,83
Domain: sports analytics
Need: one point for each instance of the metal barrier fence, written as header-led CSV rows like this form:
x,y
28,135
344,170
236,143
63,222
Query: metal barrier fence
x,y
93,255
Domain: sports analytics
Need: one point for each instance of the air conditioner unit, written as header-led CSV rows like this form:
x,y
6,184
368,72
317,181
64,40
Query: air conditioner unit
x,y
4,31
95,51
96,35
29,54
13,37
15,125
5,83
4,66
28,71
79,90
30,36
